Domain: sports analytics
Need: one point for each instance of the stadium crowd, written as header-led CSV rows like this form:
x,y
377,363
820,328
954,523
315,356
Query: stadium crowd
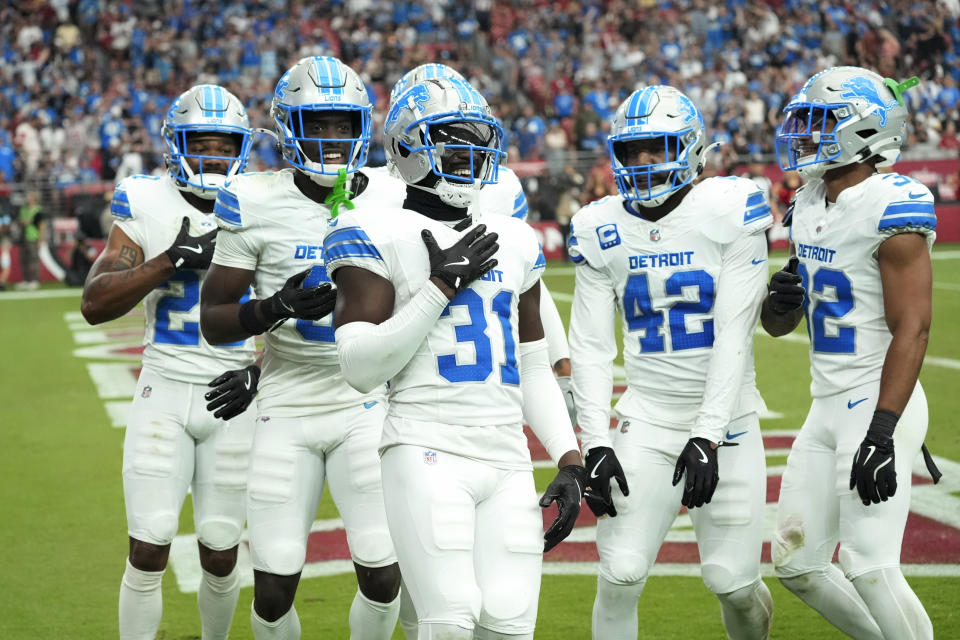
x,y
85,84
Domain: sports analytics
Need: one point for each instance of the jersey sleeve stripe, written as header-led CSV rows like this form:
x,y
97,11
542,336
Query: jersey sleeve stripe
x,y
120,209
541,262
754,199
119,195
756,213
576,259
908,220
227,213
520,206
345,234
350,250
349,242
912,207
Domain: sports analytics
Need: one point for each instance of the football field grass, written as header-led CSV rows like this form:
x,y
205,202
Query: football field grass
x,y
63,530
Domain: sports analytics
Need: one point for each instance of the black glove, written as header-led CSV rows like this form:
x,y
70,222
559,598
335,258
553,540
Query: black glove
x,y
469,258
293,301
191,252
699,459
567,490
784,291
234,392
603,466
874,472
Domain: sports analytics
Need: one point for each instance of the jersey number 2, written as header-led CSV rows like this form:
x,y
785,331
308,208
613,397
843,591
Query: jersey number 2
x,y
476,332
189,335
845,338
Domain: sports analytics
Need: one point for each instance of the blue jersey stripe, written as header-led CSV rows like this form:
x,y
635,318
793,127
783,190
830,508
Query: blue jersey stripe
x,y
347,234
350,250
899,208
120,210
755,198
227,214
541,262
121,196
750,215
228,198
907,220
576,259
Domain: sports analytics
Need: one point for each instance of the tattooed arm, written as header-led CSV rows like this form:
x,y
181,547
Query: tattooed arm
x,y
119,279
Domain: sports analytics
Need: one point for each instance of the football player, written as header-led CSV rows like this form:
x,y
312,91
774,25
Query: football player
x,y
424,305
312,426
506,197
684,265
158,252
860,273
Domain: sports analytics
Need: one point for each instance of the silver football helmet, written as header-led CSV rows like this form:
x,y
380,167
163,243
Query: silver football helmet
x,y
322,84
841,116
421,73
440,136
205,108
663,116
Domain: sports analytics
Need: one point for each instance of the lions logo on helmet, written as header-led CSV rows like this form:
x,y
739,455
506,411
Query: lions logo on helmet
x,y
440,136
205,109
419,74
667,120
321,85
841,116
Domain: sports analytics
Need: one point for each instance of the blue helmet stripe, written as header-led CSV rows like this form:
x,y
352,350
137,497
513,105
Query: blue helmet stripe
x,y
335,77
643,108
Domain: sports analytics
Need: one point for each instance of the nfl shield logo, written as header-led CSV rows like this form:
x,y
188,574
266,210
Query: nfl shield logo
x,y
624,426
146,391
655,235
429,457
819,227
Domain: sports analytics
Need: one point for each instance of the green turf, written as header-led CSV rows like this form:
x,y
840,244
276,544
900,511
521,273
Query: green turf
x,y
64,533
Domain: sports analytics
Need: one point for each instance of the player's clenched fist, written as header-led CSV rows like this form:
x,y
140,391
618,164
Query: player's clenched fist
x,y
784,293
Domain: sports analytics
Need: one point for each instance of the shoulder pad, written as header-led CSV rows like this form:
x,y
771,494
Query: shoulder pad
x,y
741,207
591,234
907,205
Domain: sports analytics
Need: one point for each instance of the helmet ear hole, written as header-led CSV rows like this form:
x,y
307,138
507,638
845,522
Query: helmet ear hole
x,y
867,133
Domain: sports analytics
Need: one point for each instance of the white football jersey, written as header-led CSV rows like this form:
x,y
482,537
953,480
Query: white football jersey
x,y
505,197
837,246
268,226
677,284
150,210
460,392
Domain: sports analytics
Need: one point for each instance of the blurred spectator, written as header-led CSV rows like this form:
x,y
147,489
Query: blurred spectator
x,y
85,83
5,263
82,256
33,230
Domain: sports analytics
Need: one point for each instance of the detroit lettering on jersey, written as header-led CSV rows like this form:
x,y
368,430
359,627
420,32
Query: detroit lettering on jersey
x,y
671,259
813,252
308,252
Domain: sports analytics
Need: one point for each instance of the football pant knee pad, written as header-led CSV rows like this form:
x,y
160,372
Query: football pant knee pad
x,y
218,534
